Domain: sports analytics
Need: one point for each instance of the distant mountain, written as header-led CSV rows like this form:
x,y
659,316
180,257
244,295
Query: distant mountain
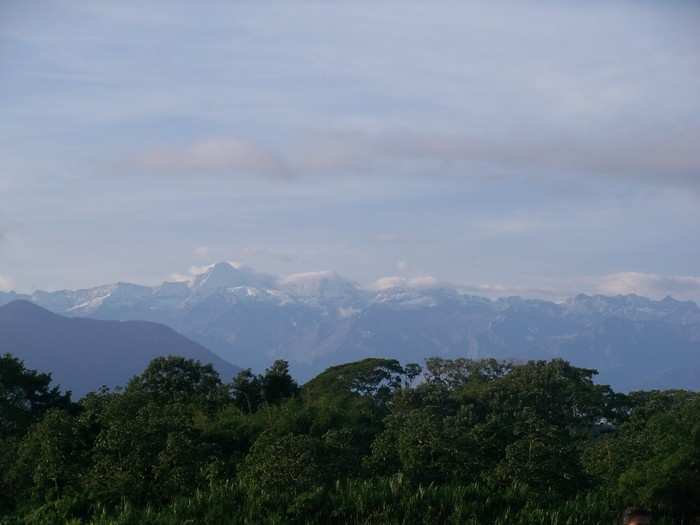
x,y
84,354
319,319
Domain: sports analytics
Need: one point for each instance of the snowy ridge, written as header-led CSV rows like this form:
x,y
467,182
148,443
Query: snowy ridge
x,y
233,280
318,319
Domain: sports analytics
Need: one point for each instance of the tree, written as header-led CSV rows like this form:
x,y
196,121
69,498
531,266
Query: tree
x,y
246,391
476,442
50,458
148,452
374,378
412,371
277,384
281,471
178,379
25,395
455,373
543,458
555,392
654,457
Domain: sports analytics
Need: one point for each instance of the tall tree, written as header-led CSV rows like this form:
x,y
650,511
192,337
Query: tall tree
x,y
174,378
25,395
246,391
277,383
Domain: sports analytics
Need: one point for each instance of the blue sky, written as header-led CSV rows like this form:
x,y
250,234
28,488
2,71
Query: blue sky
x,y
543,148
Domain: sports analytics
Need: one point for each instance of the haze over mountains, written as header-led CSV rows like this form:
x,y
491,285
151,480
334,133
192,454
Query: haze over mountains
x,y
84,354
318,319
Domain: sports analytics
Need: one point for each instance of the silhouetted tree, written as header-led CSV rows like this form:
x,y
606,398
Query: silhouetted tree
x,y
246,391
25,395
277,383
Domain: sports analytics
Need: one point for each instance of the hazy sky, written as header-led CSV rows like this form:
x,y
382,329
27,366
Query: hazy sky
x,y
549,147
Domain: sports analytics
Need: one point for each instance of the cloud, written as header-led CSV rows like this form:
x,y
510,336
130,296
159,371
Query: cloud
x,y
624,283
6,284
219,155
421,282
309,276
650,285
501,290
492,291
201,252
670,158
179,278
192,272
199,270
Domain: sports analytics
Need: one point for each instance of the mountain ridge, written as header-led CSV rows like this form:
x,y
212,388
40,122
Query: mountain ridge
x,y
319,319
84,354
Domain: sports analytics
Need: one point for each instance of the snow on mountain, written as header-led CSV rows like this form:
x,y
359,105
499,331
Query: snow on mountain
x,y
425,282
175,290
229,275
321,285
633,307
318,319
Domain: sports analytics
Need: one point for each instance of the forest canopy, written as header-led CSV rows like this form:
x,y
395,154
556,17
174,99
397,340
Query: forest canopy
x,y
374,441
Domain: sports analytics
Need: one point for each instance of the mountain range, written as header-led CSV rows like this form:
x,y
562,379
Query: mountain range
x,y
84,354
315,320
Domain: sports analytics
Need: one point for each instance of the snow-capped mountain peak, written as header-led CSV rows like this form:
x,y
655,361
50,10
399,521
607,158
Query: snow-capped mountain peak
x,y
225,275
323,284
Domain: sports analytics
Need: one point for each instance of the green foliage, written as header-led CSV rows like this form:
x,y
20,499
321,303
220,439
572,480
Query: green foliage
x,y
172,379
24,396
250,392
654,457
286,471
473,442
372,377
148,452
49,460
454,373
246,391
277,384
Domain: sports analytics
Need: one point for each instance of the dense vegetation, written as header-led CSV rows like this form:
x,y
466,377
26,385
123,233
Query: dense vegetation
x,y
460,441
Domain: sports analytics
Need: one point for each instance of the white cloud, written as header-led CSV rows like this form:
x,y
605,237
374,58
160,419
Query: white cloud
x,y
345,313
179,278
423,281
6,283
192,272
309,276
650,285
502,290
322,283
199,270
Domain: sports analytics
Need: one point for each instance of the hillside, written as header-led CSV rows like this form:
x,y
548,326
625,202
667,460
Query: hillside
x,y
84,354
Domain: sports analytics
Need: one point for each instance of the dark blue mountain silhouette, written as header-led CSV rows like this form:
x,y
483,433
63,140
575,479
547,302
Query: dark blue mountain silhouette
x,y
84,354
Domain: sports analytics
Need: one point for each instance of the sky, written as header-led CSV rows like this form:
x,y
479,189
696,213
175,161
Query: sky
x,y
539,148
